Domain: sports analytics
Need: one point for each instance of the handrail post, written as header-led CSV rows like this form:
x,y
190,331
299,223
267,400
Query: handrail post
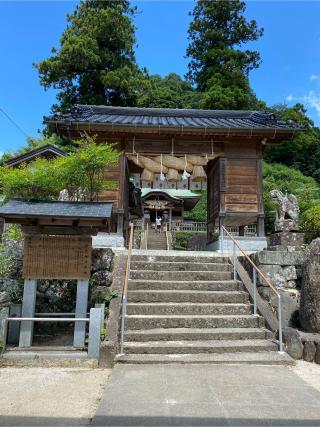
x,y
254,277
280,324
125,290
221,240
123,316
234,262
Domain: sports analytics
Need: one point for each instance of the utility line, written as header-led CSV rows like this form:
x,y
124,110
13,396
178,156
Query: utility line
x,y
13,122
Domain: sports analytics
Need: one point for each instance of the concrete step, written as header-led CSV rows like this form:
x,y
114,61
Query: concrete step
x,y
207,285
183,334
176,275
192,321
179,266
194,347
259,358
181,258
48,358
187,296
187,309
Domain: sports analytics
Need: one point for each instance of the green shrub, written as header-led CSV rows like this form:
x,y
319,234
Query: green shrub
x,y
310,222
180,239
290,180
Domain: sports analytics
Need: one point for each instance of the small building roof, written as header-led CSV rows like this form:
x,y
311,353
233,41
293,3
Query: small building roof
x,y
170,118
47,151
184,197
78,210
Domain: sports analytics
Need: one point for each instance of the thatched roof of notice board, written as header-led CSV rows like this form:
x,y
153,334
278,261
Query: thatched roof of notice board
x,y
16,208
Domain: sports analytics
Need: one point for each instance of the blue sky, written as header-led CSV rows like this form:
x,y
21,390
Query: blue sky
x,y
290,71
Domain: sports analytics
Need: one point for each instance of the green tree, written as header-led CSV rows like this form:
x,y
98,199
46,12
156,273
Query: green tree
x,y
303,152
290,180
170,91
95,63
311,222
219,65
81,173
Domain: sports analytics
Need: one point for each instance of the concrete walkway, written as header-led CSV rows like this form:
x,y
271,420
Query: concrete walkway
x,y
207,395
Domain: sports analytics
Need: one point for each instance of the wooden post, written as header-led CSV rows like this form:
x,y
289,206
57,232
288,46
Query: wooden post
x,y
28,310
81,312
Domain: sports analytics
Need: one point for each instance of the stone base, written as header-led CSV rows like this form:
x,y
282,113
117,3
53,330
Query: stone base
x,y
108,240
286,225
285,239
248,244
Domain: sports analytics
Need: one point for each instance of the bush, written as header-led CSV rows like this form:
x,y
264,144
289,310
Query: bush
x,y
310,222
180,239
81,173
199,212
285,179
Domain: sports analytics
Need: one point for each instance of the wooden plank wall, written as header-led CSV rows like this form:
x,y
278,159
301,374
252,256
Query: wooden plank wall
x,y
235,185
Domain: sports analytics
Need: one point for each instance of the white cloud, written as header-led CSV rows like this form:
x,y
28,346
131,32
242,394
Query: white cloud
x,y
314,77
311,99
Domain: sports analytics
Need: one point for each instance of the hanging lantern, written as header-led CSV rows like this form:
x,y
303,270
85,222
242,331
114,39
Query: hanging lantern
x,y
199,174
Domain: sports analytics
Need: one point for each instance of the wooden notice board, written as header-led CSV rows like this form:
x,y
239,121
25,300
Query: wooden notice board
x,y
57,257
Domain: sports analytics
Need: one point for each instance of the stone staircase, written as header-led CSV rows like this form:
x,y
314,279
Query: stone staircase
x,y
188,309
156,240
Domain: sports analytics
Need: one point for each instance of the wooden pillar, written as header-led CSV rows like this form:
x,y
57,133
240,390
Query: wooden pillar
x,y
81,312
260,230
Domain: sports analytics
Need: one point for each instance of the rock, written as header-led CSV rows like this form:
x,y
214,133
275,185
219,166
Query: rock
x,y
310,290
293,343
317,355
102,259
290,272
97,294
4,298
287,238
291,284
265,292
290,305
309,351
279,258
286,225
102,278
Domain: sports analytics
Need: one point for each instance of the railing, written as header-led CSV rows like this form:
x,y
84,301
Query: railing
x,y
167,237
125,289
147,235
94,328
188,226
255,270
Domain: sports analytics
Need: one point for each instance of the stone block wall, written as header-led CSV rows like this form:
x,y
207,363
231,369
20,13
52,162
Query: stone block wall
x,y
284,269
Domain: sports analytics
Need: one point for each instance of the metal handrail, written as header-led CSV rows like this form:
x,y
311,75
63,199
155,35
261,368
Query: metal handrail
x,y
146,236
255,270
125,288
167,237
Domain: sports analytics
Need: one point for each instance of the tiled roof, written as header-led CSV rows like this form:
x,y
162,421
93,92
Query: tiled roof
x,y
173,118
45,150
16,207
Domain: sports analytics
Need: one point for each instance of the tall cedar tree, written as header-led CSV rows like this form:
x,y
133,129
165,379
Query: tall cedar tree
x,y
95,63
219,66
